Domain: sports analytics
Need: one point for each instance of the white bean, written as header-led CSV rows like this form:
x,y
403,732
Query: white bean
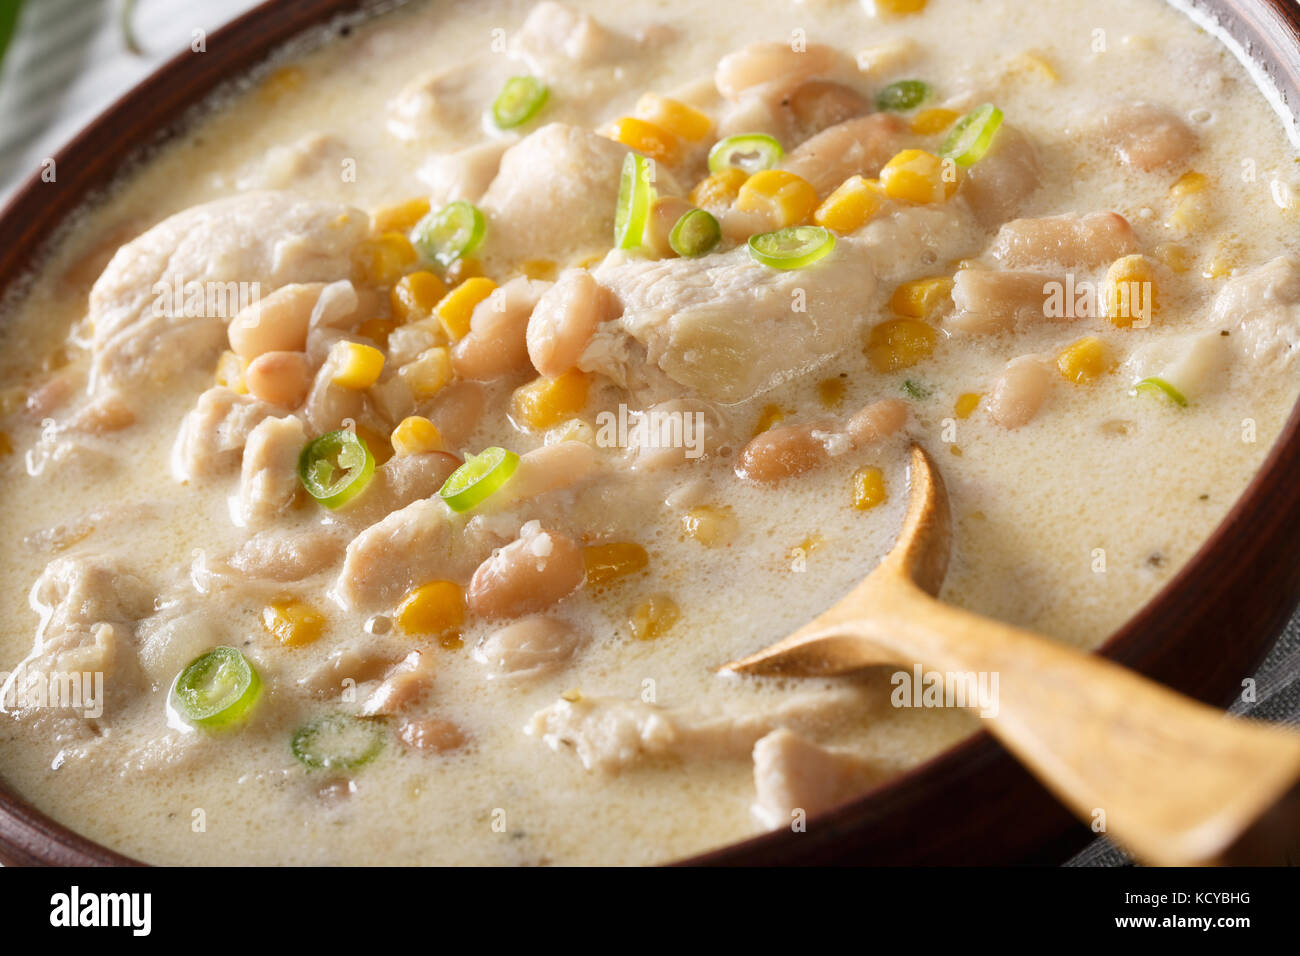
x,y
497,341
275,323
775,64
280,378
564,321
529,647
1019,391
534,571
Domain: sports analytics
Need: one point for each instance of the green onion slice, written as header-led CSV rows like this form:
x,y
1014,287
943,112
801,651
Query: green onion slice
x,y
749,152
635,194
336,467
793,247
695,233
903,96
480,477
451,233
337,742
1158,386
217,688
972,135
520,100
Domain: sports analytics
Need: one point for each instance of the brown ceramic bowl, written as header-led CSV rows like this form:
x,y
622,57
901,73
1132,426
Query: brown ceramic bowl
x,y
973,804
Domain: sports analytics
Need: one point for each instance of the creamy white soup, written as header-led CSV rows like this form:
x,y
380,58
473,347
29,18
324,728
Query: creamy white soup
x,y
392,460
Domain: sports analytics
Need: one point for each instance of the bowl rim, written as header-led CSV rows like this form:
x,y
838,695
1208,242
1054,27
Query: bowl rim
x,y
166,103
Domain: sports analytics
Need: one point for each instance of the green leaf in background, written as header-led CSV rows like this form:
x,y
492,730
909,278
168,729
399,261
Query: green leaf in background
x,y
8,23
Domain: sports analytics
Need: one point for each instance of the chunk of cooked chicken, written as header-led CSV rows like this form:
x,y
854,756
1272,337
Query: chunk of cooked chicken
x,y
212,435
557,189
1261,308
792,775
407,548
999,185
724,326
234,249
1090,241
268,481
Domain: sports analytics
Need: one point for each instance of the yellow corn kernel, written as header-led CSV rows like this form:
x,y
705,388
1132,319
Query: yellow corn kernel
x,y
609,562
851,205
934,120
769,417
356,366
922,298
456,308
400,217
711,525
1085,361
1129,292
415,436
918,176
416,295
575,429
434,608
787,199
899,343
719,190
429,373
966,404
1192,213
868,488
230,372
383,259
830,392
377,330
1176,257
539,268
679,119
899,7
545,402
647,138
1034,63
955,450
293,623
653,617
1188,184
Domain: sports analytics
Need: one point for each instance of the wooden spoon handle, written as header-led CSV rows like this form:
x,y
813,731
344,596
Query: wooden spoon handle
x,y
1174,781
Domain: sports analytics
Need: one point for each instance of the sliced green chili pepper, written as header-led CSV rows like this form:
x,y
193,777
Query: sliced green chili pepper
x,y
972,135
903,96
338,742
1158,386
217,688
793,247
749,152
695,233
9,10
520,100
336,467
451,233
481,476
635,195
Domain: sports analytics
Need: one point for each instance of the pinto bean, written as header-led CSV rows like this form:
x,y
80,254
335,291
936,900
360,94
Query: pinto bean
x,y
405,685
784,452
534,571
497,342
275,323
432,735
564,321
528,648
876,421
663,216
1147,136
858,146
1019,391
280,378
821,104
329,405
1090,241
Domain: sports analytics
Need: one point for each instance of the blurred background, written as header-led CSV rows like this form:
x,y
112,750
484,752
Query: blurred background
x,y
68,59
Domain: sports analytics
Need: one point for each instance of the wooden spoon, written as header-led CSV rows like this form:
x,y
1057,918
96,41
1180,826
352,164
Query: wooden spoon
x,y
1174,781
